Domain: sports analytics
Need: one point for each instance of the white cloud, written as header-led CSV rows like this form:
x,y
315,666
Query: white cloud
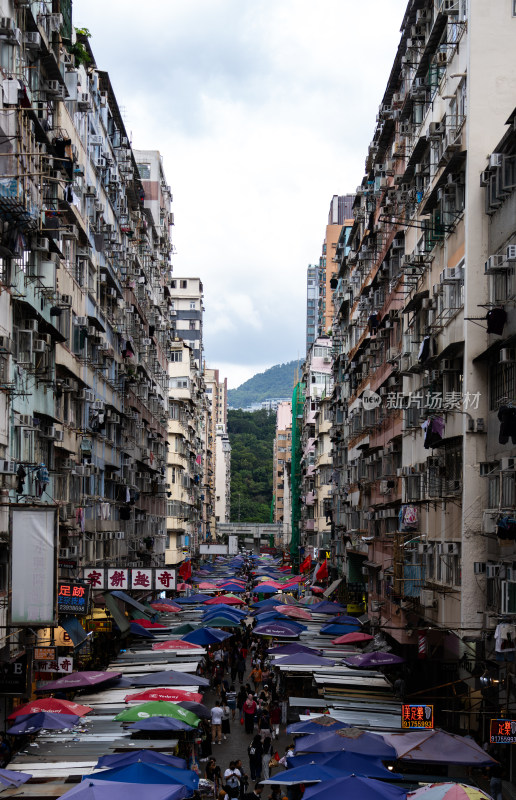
x,y
262,111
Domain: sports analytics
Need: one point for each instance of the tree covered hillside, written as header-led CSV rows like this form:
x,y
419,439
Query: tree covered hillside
x,y
278,381
252,436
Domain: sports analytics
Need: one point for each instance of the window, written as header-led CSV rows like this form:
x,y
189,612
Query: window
x,y
144,170
176,355
192,325
183,284
193,305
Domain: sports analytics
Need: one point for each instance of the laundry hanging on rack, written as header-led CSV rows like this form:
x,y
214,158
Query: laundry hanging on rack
x,y
496,319
433,429
507,417
505,637
506,528
409,518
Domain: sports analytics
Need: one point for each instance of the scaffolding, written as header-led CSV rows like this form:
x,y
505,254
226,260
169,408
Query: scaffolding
x,y
298,397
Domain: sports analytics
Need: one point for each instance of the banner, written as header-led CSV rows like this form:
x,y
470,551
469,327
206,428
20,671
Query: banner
x,y
127,579
33,567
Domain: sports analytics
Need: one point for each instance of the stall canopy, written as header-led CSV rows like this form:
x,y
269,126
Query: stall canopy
x,y
74,630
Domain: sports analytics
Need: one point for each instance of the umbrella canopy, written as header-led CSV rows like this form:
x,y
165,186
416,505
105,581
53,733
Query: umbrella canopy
x,y
206,636
292,647
12,779
317,590
207,585
182,587
198,709
432,746
310,773
161,605
229,612
175,644
265,588
93,789
294,612
270,602
343,619
30,723
138,630
192,599
150,773
282,630
223,622
337,630
146,623
305,659
368,660
315,725
327,607
224,600
351,739
232,586
449,791
157,708
173,695
170,677
353,638
185,627
355,787
81,680
52,705
161,724
139,756
347,763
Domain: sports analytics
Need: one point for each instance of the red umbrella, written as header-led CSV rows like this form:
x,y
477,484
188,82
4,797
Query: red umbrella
x,y
146,623
51,705
226,600
172,609
207,585
175,644
182,586
352,638
172,695
294,612
317,589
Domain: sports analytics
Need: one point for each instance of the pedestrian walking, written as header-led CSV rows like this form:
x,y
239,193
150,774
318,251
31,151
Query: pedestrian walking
x,y
232,778
256,677
266,757
205,733
275,718
225,725
255,794
244,777
249,709
216,722
231,700
213,774
264,723
255,752
241,698
241,668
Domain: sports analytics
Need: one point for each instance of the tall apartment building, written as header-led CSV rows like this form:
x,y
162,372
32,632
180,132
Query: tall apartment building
x,y
312,297
186,310
340,212
282,453
423,400
219,479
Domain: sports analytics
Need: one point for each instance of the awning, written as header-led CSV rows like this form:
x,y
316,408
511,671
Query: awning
x,y
415,302
74,630
120,618
331,588
372,564
126,598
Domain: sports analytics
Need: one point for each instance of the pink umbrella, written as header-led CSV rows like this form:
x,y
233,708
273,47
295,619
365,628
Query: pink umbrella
x,y
207,585
317,589
181,587
226,600
173,695
294,612
169,607
175,644
146,623
353,638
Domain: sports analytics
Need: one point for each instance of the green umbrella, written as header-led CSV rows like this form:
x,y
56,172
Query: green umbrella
x,y
185,627
157,708
223,622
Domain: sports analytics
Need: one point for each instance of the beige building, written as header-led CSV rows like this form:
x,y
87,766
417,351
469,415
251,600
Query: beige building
x,y
282,455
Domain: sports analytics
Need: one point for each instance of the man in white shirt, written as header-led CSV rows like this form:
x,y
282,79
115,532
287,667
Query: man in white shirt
x,y
216,722
232,778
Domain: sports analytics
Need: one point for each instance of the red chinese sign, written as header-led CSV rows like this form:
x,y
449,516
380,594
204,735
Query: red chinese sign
x,y
503,731
417,716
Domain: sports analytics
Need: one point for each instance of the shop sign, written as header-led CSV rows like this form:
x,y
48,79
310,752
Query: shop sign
x,y
503,731
73,598
44,653
95,577
33,582
117,579
124,579
99,625
65,664
413,716
13,676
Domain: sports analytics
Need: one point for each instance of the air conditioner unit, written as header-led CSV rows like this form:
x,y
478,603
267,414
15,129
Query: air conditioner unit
x,y
39,346
30,325
441,58
507,464
146,342
5,344
66,300
479,567
493,263
59,436
492,570
100,163
450,7
24,421
426,598
64,552
83,100
495,160
95,141
510,253
53,87
81,322
87,395
507,355
98,405
8,466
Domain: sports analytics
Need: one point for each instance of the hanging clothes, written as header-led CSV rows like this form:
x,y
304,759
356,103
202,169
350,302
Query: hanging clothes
x,y
424,350
434,431
496,319
505,637
21,475
507,417
409,517
372,323
506,528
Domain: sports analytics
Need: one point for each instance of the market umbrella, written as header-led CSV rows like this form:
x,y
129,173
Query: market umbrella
x,y
157,708
185,627
30,723
327,607
310,773
225,600
207,585
354,787
94,789
198,709
343,619
160,724
269,602
169,677
305,659
144,773
448,791
175,644
136,756
292,647
315,725
377,659
265,589
80,680
434,746
281,630
351,739
230,612
347,763
353,638
223,622
53,705
294,612
146,623
13,779
139,630
161,605
164,694
182,587
316,590
233,587
192,599
337,630
205,636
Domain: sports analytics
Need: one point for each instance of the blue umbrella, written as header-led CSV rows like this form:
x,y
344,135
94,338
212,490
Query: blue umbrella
x,y
150,773
310,773
355,787
338,630
94,789
161,724
233,587
316,725
377,659
306,659
205,636
281,630
169,677
135,756
327,607
264,588
347,763
293,647
269,601
12,778
350,739
193,598
139,630
226,611
341,619
30,723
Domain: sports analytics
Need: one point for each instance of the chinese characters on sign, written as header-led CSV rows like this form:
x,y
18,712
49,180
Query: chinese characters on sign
x,y
73,598
503,731
44,653
156,578
434,401
417,716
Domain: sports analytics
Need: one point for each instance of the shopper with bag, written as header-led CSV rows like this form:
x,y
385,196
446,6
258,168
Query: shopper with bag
x,y
255,752
249,710
232,778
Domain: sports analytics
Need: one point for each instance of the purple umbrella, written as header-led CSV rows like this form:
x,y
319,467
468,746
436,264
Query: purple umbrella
x,y
161,724
135,756
327,607
367,660
351,739
30,723
94,789
169,677
198,709
80,680
282,630
291,648
11,778
355,787
343,619
305,659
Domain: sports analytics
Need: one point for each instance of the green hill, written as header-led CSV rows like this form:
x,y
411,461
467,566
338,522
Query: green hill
x,y
277,381
251,434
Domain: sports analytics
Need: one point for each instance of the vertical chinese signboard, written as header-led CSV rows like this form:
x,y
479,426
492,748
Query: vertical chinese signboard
x,y
417,716
33,567
73,598
503,731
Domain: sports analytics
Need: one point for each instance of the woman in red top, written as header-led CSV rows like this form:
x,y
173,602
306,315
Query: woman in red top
x,y
249,709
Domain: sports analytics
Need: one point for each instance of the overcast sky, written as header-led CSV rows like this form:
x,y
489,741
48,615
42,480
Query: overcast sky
x,y
262,110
